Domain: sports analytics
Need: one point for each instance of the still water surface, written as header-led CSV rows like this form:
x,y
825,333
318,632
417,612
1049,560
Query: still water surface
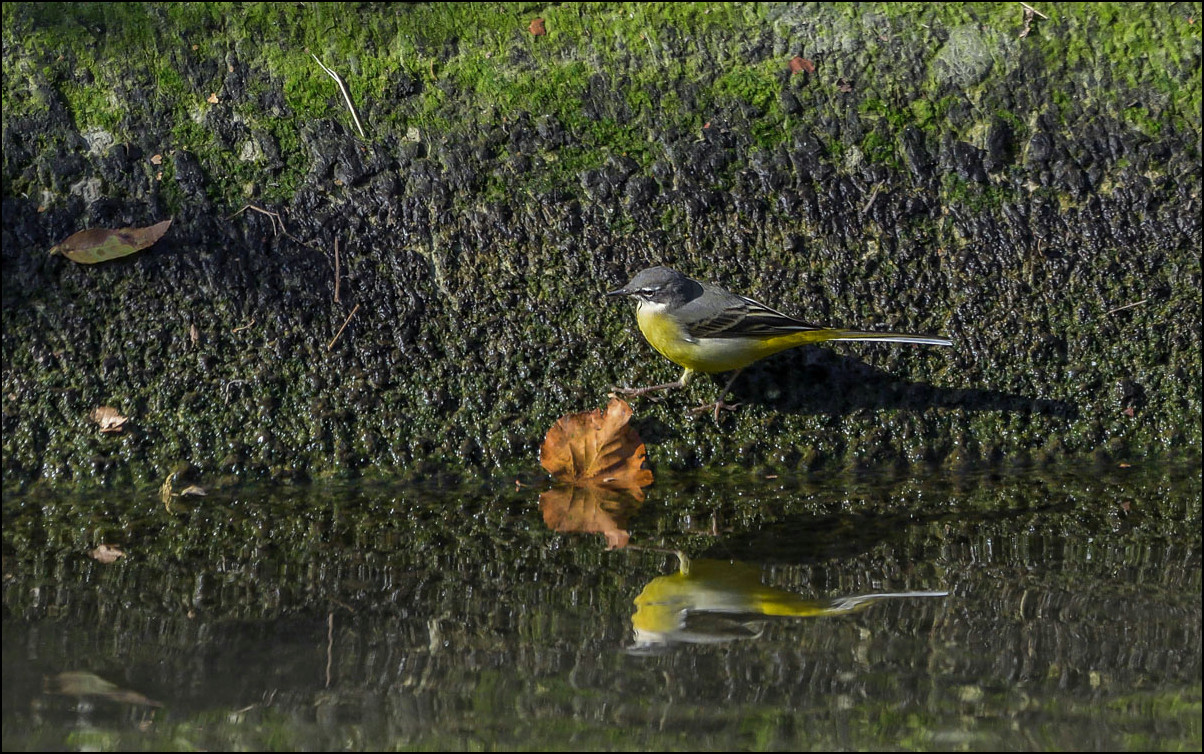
x,y
1023,611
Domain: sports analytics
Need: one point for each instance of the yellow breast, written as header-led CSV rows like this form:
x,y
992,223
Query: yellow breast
x,y
668,337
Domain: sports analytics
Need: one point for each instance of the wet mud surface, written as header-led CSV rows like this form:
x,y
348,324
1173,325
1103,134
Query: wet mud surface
x,y
1029,187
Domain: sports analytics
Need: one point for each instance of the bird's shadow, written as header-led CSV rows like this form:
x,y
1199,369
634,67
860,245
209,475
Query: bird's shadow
x,y
813,380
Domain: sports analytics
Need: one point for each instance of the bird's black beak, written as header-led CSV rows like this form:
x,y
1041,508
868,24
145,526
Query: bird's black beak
x,y
620,292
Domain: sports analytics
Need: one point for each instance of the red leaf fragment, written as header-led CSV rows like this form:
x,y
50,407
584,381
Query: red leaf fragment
x,y
801,65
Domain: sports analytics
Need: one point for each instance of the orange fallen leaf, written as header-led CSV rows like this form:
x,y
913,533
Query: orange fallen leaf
x,y
102,244
213,98
597,447
109,419
537,28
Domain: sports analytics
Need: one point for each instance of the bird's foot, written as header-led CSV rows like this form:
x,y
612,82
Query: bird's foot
x,y
717,406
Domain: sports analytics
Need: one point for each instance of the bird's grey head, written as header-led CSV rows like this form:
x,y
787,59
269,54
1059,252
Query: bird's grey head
x,y
660,285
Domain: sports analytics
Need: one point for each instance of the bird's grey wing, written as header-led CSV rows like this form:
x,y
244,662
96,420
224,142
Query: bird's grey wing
x,y
740,316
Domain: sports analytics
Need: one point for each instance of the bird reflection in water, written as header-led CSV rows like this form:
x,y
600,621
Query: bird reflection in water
x,y
716,601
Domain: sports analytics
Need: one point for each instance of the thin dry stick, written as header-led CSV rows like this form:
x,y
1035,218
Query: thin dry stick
x,y
244,327
344,327
1126,306
336,270
873,195
1026,6
329,645
346,96
275,219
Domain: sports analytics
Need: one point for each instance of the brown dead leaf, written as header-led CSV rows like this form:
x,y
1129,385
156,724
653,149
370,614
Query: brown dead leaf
x,y
156,159
537,28
106,553
800,64
212,98
109,419
102,244
597,447
193,489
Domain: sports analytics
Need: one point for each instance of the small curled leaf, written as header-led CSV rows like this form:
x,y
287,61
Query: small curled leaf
x,y
106,553
109,418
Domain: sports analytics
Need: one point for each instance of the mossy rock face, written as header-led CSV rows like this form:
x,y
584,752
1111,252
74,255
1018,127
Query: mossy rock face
x,y
1029,187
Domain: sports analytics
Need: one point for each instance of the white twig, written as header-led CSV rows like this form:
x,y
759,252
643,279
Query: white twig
x,y
1026,6
1126,306
346,96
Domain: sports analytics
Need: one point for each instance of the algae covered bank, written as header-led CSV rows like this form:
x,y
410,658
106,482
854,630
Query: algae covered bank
x,y
428,296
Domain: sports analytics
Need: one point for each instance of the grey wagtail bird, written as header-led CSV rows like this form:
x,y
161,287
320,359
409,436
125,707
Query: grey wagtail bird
x,y
704,328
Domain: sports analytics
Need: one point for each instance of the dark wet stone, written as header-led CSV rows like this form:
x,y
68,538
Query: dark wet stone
x,y
808,154
621,166
1040,148
964,159
1001,145
551,132
524,137
640,191
789,103
334,152
1069,176
405,84
64,168
188,174
1130,394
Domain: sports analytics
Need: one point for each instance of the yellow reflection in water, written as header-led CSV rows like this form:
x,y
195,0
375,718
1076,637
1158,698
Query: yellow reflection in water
x,y
714,601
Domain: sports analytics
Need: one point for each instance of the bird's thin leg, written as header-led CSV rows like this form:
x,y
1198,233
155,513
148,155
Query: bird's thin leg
x,y
680,383
719,404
